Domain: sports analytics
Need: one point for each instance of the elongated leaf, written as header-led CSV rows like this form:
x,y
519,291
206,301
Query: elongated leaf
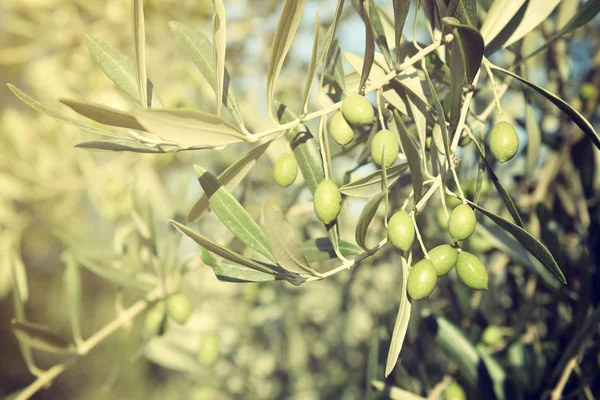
x,y
379,33
369,56
139,37
536,12
189,128
401,8
121,69
41,337
108,272
373,365
120,145
312,67
534,246
365,218
228,271
321,249
332,53
479,371
36,105
412,155
498,16
198,48
230,178
232,214
401,324
236,258
282,41
465,11
534,140
219,25
471,47
19,274
72,282
104,114
395,393
569,111
282,237
365,187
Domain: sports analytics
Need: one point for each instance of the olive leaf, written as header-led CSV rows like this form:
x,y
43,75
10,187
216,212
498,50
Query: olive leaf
x,y
365,218
57,115
569,111
470,44
139,37
232,214
72,282
534,140
104,114
321,249
394,392
401,324
230,178
312,67
498,17
121,145
121,69
534,246
41,337
331,51
379,33
19,273
366,186
479,370
228,271
465,11
219,30
373,367
198,48
401,8
412,155
369,45
375,72
189,128
282,41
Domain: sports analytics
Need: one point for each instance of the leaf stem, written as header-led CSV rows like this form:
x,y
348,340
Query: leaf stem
x,y
490,74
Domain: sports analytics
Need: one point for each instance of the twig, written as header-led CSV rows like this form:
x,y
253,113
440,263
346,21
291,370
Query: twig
x,y
486,64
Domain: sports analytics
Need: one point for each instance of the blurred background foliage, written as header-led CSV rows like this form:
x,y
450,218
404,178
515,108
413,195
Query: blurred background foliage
x,y
263,341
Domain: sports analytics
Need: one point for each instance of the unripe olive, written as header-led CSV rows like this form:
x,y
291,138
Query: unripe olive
x,y
443,258
492,335
471,271
503,142
384,138
154,321
179,307
357,110
588,91
327,201
208,350
464,139
340,129
471,187
422,278
440,217
462,222
477,244
285,170
455,392
401,231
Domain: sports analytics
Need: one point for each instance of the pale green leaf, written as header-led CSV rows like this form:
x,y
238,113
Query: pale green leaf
x,y
401,324
282,41
365,218
312,67
72,282
219,25
321,249
41,337
379,33
19,274
139,37
369,55
534,140
366,186
104,114
394,392
227,271
121,145
498,17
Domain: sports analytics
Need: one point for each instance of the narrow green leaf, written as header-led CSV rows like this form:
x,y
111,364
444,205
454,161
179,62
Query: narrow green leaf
x,y
312,67
365,187
332,52
569,111
41,337
284,242
471,46
373,368
465,11
230,178
219,24
401,324
369,56
282,41
36,105
534,140
394,392
198,48
365,218
120,145
535,12
72,282
401,8
321,249
109,273
139,36
379,33
227,271
189,128
498,17
534,246
232,214
19,274
121,69
412,156
104,114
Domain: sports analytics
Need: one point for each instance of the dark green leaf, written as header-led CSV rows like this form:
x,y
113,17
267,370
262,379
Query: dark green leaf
x,y
365,187
369,45
401,8
401,324
103,114
465,11
379,33
228,271
412,156
321,249
41,337
365,218
470,45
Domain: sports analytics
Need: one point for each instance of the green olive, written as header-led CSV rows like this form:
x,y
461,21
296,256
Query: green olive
x,y
503,142
477,244
179,307
471,271
327,201
588,91
154,321
465,139
440,217
401,231
384,138
453,202
471,187
443,258
422,278
340,129
286,170
492,335
208,350
455,392
461,223
357,110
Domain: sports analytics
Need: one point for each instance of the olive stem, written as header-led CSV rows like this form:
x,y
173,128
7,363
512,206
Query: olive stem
x,y
418,233
379,111
490,74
